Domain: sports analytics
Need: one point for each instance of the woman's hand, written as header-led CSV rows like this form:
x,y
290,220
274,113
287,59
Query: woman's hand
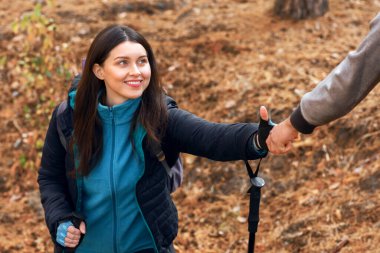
x,y
281,137
68,235
265,126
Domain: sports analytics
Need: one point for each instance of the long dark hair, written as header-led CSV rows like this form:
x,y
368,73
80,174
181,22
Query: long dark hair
x,y
152,113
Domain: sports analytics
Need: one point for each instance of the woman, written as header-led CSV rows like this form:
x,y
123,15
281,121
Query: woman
x,y
109,193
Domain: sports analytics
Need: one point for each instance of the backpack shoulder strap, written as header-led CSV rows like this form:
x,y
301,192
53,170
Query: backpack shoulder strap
x,y
175,172
159,153
61,125
61,108
75,82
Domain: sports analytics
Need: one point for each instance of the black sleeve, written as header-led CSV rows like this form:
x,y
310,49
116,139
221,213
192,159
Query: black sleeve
x,y
52,179
217,141
300,123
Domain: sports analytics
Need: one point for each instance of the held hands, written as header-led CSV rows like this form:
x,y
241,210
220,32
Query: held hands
x,y
281,137
275,138
68,235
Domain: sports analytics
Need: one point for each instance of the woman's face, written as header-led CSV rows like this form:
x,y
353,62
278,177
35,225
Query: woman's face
x,y
126,72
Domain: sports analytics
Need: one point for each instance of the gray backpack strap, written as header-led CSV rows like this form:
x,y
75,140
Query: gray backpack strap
x,y
175,172
62,106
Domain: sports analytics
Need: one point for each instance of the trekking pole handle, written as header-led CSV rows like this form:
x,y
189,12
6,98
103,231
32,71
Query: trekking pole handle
x,y
254,205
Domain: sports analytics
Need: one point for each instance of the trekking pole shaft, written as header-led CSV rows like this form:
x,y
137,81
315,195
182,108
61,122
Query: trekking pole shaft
x,y
251,243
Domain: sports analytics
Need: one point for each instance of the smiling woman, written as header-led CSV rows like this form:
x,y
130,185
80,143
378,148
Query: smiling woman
x,y
108,184
126,72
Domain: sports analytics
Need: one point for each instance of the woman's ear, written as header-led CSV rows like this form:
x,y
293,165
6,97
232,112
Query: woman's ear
x,y
98,71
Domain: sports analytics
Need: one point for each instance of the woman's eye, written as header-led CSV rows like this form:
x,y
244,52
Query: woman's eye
x,y
123,62
142,61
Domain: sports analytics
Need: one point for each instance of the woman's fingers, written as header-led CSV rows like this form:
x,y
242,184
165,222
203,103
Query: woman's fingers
x,y
72,230
82,227
72,237
264,113
71,243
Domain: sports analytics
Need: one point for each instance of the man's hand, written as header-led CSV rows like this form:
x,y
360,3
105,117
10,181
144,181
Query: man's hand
x,y
281,137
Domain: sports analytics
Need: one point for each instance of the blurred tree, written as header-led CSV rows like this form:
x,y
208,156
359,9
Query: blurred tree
x,y
301,9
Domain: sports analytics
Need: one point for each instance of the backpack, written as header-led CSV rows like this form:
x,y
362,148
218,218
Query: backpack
x,y
174,172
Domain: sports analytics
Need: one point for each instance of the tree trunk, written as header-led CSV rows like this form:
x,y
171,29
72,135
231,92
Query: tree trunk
x,y
301,9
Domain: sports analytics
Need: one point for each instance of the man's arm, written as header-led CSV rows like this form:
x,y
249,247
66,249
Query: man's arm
x,y
336,95
347,85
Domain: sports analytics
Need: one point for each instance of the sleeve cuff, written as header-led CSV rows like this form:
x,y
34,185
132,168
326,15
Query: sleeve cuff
x,y
252,147
300,123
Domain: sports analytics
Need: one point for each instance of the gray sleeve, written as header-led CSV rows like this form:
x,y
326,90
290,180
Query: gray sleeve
x,y
344,87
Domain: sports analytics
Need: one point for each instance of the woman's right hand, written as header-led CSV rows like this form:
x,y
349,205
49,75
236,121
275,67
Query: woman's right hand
x,y
68,235
265,126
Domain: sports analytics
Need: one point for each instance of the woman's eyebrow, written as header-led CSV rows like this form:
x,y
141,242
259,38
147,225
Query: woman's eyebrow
x,y
127,57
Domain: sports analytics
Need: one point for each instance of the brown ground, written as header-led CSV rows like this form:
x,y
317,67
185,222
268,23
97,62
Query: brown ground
x,y
220,59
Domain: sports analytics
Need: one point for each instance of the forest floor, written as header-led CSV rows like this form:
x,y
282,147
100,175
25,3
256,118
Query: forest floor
x,y
221,60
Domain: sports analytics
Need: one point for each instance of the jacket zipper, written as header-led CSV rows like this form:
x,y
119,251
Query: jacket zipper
x,y
113,183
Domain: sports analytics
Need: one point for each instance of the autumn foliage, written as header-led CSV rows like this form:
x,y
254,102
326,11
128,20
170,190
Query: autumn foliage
x,y
221,60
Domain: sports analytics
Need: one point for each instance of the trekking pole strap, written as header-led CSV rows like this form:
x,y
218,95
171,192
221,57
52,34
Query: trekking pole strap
x,y
250,171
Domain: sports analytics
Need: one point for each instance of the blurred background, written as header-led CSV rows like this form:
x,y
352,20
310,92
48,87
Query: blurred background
x,y
220,59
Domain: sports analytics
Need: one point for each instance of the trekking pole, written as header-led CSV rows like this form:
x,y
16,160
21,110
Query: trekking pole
x,y
254,204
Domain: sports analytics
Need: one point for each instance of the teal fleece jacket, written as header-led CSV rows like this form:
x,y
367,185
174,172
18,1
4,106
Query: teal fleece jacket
x,y
113,216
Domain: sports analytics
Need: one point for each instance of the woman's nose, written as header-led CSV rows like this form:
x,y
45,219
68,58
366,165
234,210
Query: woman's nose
x,y
134,70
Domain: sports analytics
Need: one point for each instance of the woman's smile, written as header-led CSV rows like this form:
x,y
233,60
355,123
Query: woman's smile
x,y
134,83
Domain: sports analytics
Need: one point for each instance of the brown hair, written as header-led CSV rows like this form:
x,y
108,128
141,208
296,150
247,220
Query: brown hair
x,y
152,113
